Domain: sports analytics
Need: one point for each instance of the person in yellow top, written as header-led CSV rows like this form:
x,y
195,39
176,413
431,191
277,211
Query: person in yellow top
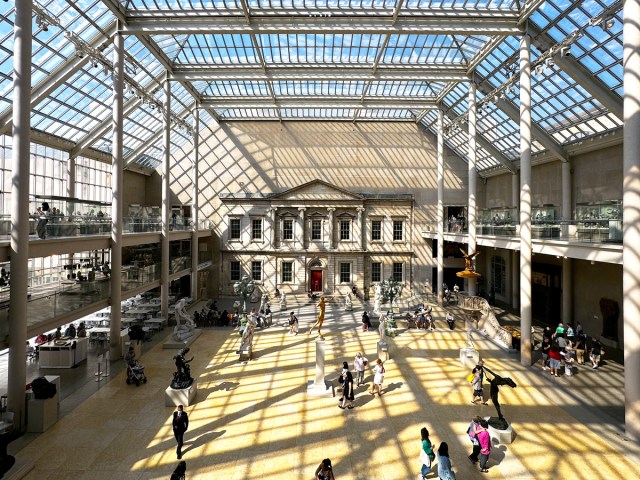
x,y
321,305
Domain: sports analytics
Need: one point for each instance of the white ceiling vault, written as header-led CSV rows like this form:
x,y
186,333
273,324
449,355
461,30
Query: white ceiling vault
x,y
327,60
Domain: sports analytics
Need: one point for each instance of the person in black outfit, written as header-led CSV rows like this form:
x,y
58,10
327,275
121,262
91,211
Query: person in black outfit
x,y
180,425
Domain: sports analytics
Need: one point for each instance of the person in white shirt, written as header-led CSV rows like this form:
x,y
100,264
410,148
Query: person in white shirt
x,y
359,364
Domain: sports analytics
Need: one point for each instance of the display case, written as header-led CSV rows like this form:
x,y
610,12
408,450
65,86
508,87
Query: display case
x,y
143,219
544,221
599,221
500,221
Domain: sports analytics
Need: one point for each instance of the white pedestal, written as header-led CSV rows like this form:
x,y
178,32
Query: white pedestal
x,y
383,350
469,357
184,396
503,437
180,344
43,413
318,387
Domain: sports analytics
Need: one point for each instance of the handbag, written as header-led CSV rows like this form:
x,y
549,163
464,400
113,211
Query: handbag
x,y
470,377
424,458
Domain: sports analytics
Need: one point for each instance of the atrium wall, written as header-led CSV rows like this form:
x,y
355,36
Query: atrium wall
x,y
364,157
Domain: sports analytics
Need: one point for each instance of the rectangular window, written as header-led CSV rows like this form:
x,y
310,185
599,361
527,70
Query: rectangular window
x,y
256,229
398,230
345,230
316,229
376,230
256,271
235,270
376,272
234,229
345,273
287,272
287,230
397,271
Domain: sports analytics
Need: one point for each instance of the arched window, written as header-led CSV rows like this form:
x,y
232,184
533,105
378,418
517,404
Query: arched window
x,y
315,263
498,275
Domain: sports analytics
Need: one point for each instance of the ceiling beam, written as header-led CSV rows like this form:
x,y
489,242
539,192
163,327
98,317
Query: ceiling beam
x,y
484,143
206,23
510,110
55,79
255,74
318,102
582,76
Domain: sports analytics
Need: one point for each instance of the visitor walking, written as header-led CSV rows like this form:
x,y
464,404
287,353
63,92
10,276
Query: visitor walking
x,y
359,364
378,378
426,452
444,463
324,470
180,425
482,434
471,431
347,391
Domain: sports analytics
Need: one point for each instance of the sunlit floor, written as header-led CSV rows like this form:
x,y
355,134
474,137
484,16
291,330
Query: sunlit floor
x,y
255,420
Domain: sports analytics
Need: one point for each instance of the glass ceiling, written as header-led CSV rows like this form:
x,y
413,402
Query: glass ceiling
x,y
338,60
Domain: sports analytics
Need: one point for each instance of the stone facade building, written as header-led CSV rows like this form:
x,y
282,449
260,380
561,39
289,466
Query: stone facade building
x,y
317,237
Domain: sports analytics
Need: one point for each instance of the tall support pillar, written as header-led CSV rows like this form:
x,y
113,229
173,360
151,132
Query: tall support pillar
x,y
631,217
567,290
166,197
473,177
525,199
195,205
117,189
566,199
17,369
440,212
515,279
515,191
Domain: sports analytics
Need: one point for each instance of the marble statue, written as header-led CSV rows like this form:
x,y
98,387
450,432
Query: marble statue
x,y
263,302
246,342
348,305
470,344
182,376
377,299
183,331
283,301
382,328
255,296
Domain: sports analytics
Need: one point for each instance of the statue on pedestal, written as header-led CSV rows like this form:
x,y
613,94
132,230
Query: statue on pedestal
x,y
184,323
245,288
348,305
283,301
321,307
263,302
391,290
382,328
182,376
496,382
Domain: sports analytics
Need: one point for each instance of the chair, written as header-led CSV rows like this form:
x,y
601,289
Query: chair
x,y
32,352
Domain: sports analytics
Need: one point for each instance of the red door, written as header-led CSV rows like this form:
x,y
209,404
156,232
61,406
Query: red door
x,y
316,280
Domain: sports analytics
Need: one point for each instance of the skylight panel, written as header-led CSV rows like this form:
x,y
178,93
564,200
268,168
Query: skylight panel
x,y
226,49
385,114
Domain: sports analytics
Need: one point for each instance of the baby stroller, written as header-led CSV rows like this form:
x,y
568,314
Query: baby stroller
x,y
135,373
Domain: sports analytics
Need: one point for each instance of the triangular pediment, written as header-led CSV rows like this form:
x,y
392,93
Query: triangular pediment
x,y
316,190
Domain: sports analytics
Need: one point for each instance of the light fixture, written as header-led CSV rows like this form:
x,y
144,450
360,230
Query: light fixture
x,y
502,95
496,98
609,23
565,51
548,63
539,69
80,54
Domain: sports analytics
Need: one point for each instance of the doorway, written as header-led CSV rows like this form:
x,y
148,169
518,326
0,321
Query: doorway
x,y
315,282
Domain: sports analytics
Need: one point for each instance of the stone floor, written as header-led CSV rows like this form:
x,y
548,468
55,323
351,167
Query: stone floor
x,y
255,420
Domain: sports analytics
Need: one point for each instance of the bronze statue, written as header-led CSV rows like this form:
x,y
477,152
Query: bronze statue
x,y
468,260
321,305
182,376
500,423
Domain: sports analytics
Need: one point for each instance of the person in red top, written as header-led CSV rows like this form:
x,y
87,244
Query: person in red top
x,y
483,437
554,359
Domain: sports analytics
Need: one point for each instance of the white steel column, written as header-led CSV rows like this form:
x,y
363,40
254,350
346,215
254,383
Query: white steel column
x,y
567,290
117,189
195,205
631,217
473,177
440,211
515,260
525,199
17,368
166,208
566,199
